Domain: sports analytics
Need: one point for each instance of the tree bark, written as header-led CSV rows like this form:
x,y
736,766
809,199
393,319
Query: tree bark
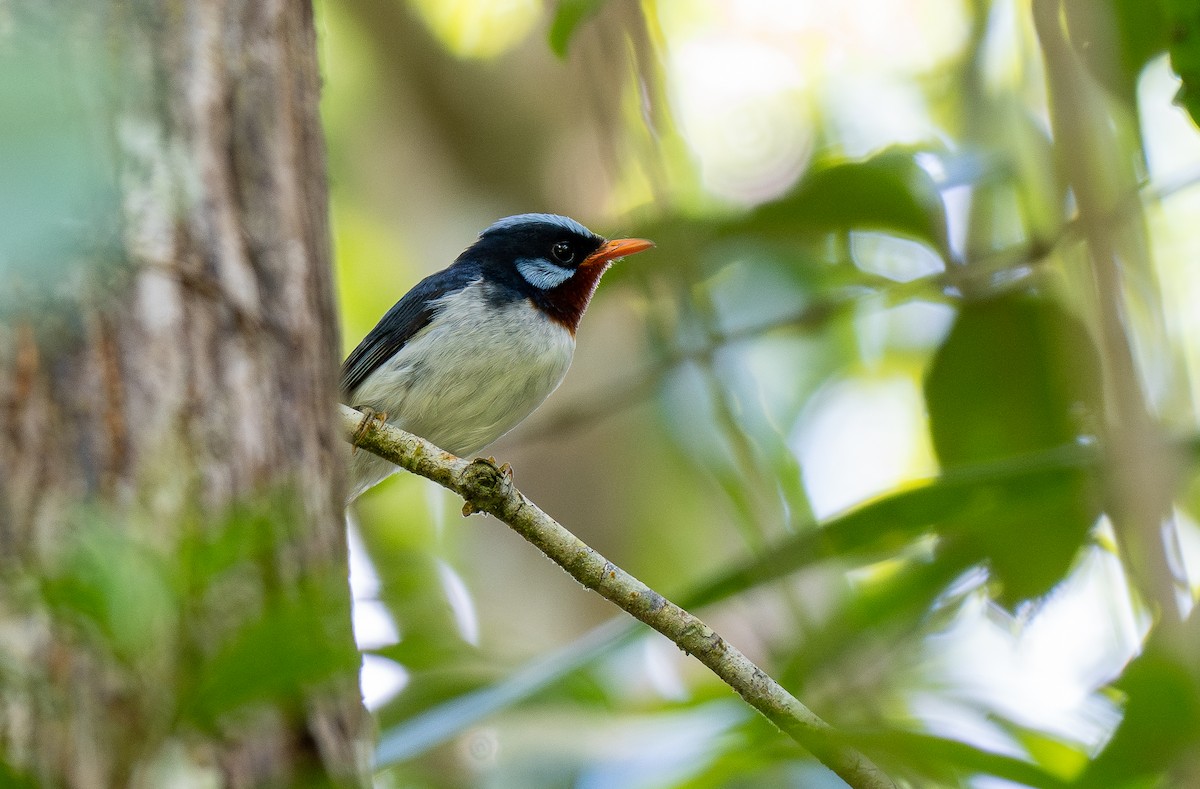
x,y
173,605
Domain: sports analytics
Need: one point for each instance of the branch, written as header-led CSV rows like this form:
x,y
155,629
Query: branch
x,y
485,487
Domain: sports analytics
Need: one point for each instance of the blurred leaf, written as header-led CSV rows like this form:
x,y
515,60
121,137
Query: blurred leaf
x,y
247,535
884,612
887,525
413,590
569,15
880,528
294,645
953,763
756,756
431,687
1063,759
438,724
1015,375
1032,172
1132,30
1184,34
119,586
12,778
889,192
1033,534
1162,715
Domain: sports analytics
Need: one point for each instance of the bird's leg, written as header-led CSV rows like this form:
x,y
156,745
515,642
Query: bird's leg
x,y
369,415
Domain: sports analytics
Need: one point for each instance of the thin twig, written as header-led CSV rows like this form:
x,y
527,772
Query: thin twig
x,y
485,487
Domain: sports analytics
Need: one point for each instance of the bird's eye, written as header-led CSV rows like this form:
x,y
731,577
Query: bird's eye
x,y
562,252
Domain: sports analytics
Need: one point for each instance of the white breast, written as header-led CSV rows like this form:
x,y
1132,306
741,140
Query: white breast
x,y
467,378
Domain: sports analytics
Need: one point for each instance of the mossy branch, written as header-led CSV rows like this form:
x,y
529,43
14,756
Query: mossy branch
x,y
486,487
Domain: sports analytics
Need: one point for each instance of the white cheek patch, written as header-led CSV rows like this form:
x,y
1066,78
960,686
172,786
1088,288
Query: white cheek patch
x,y
541,273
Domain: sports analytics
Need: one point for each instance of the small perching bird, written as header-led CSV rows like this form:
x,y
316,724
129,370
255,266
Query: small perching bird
x,y
472,350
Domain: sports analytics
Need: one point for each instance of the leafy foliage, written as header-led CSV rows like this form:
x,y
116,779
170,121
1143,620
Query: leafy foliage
x,y
943,260
1162,718
1136,32
888,191
1015,375
196,629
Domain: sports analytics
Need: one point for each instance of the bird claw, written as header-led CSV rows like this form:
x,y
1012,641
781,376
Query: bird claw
x,y
505,470
369,415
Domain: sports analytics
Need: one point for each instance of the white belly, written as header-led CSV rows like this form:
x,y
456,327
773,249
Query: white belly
x,y
465,380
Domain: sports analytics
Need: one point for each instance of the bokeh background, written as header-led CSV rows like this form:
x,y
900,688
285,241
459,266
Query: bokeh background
x,y
904,402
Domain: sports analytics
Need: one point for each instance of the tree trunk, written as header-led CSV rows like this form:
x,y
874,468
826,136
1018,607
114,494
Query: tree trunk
x,y
173,600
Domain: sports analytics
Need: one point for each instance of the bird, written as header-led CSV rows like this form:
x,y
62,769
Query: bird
x,y
472,350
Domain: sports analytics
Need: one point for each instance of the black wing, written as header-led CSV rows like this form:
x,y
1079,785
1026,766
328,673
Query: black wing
x,y
408,316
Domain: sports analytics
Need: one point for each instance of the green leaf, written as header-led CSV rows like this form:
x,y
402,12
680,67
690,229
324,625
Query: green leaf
x,y
884,527
295,644
1161,724
118,588
1018,374
1057,756
950,762
1116,38
567,19
1183,19
888,192
248,536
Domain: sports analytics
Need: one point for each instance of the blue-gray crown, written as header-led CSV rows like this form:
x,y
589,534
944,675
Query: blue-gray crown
x,y
510,222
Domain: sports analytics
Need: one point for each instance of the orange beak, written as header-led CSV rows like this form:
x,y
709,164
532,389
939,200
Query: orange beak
x,y
616,249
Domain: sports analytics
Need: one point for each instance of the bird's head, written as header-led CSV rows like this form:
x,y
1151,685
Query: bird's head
x,y
552,260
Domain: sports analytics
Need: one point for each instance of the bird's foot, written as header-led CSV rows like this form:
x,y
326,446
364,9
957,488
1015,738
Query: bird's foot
x,y
506,472
369,415
503,468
